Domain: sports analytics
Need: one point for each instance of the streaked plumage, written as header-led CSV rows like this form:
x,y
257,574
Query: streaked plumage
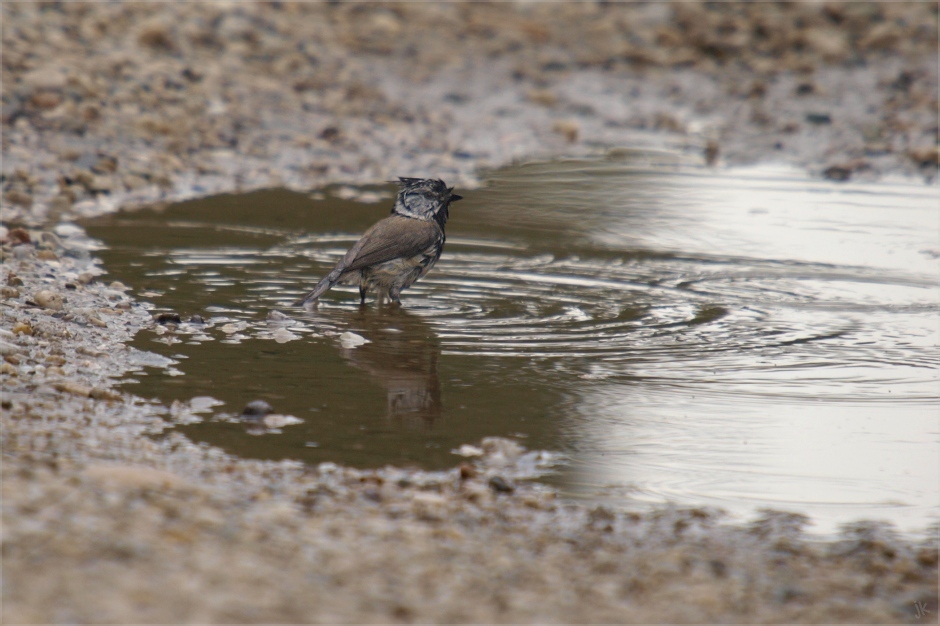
x,y
399,249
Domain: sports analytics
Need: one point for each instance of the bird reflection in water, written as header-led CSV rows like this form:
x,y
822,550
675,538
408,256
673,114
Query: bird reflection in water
x,y
402,357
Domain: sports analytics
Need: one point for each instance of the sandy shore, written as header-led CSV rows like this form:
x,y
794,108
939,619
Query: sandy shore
x,y
132,104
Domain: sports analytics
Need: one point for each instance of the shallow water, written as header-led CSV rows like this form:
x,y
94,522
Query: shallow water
x,y
743,339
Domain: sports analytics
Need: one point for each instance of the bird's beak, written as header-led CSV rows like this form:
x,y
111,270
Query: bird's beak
x,y
454,197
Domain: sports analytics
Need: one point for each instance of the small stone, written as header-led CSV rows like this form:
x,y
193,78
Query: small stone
x,y
467,471
134,182
925,157
106,164
196,319
567,129
48,78
711,152
47,255
167,318
544,97
9,370
49,300
23,252
74,388
275,420
118,286
467,450
86,277
66,230
101,184
501,485
60,204
103,394
256,411
18,197
94,321
7,348
282,335
837,172
19,236
818,118
14,281
9,293
351,340
22,328
46,99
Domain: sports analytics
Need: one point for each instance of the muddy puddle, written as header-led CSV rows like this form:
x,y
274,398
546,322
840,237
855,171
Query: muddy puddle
x,y
743,339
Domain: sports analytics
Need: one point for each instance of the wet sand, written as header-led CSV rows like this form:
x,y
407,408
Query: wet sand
x,y
112,105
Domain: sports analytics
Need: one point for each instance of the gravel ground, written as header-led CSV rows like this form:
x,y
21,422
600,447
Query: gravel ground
x,y
107,105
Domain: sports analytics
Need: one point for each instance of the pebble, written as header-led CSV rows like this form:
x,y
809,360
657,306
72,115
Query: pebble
x,y
351,340
568,129
18,236
22,328
23,252
276,420
500,485
86,277
95,321
9,293
167,318
49,300
256,410
282,335
10,348
47,77
66,230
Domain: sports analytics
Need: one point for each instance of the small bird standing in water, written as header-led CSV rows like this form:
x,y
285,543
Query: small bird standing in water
x,y
399,249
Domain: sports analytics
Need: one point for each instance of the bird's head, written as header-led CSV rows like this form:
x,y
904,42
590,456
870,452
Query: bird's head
x,y
424,199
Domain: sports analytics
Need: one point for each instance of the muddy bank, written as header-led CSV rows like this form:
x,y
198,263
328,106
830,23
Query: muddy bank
x,y
106,105
105,521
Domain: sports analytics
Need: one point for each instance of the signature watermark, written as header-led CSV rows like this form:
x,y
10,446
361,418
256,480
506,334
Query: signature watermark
x,y
920,609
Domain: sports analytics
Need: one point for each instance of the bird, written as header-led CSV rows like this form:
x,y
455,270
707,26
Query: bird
x,y
399,249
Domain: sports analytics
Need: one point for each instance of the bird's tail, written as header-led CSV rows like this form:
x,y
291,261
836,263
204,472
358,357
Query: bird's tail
x,y
322,287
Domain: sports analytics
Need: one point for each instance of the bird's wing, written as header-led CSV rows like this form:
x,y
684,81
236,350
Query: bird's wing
x,y
392,238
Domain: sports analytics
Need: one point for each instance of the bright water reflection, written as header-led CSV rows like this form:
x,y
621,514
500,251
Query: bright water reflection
x,y
744,338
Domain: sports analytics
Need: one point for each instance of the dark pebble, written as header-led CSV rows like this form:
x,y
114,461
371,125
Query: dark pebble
x,y
256,410
501,485
196,319
837,172
818,118
167,318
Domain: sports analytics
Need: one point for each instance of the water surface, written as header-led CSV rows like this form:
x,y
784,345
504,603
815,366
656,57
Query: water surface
x,y
743,339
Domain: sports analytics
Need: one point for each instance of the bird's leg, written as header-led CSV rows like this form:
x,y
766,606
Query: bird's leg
x,y
362,295
394,294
